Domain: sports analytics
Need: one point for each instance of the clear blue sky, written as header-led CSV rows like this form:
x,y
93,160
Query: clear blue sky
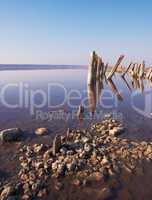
x,y
66,31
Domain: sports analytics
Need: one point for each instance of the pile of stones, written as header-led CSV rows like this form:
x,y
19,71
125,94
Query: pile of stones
x,y
84,155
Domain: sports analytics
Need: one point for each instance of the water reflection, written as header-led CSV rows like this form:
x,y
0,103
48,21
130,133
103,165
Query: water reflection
x,y
94,91
115,90
95,95
126,83
138,84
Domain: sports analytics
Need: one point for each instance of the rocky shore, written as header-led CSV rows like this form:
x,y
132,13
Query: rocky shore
x,y
84,157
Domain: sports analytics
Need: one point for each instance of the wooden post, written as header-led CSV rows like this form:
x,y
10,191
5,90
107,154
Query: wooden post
x,y
105,67
132,70
92,68
142,70
115,67
139,69
135,70
99,65
148,73
129,66
150,76
102,70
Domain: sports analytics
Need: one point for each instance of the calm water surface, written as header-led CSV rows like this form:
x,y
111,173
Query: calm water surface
x,y
61,91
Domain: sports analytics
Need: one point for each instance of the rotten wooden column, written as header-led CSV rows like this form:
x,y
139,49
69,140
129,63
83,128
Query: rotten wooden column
x,y
92,68
105,67
148,73
114,69
150,76
142,70
136,70
132,69
99,67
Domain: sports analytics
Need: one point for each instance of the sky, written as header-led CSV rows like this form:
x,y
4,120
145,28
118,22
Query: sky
x,y
67,31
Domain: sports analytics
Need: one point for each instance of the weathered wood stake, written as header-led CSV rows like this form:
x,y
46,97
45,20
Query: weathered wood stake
x,y
142,70
92,69
99,65
115,67
129,66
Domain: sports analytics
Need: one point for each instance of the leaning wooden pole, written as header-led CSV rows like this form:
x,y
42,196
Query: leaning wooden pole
x,y
150,76
115,67
148,73
129,66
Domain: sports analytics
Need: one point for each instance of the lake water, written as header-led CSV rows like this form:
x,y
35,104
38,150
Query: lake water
x,y
50,98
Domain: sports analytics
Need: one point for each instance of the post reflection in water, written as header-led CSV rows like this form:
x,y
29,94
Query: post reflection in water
x,y
138,84
91,98
115,90
126,83
94,90
150,83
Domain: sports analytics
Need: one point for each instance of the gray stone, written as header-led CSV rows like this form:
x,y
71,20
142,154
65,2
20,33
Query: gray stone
x,y
10,135
7,191
41,131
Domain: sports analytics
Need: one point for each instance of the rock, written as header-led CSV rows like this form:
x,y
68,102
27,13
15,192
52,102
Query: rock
x,y
54,166
63,150
10,135
41,131
116,131
58,186
148,150
105,194
42,193
108,116
85,139
61,169
87,148
72,166
7,191
39,148
104,161
76,182
56,144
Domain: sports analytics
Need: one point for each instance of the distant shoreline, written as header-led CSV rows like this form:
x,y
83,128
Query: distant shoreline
x,y
9,67
15,67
